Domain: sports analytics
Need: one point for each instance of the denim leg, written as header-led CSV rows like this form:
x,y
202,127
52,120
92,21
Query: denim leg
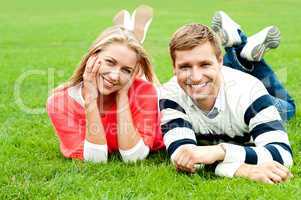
x,y
261,70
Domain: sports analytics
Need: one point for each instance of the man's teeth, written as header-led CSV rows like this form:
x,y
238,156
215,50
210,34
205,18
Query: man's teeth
x,y
195,86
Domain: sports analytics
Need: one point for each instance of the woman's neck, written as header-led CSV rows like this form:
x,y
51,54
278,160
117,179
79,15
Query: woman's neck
x,y
105,102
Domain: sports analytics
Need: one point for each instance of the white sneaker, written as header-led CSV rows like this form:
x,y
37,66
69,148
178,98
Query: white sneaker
x,y
258,44
226,29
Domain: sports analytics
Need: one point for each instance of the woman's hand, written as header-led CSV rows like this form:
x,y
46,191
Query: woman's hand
x,y
124,90
90,89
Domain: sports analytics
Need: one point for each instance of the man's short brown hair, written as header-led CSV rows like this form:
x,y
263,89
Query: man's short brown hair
x,y
191,35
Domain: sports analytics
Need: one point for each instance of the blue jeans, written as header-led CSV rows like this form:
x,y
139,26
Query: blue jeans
x,y
261,70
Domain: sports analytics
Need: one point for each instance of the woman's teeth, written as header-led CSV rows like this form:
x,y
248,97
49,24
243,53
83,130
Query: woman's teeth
x,y
108,84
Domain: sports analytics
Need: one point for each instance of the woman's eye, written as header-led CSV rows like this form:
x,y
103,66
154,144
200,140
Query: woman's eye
x,y
127,71
109,62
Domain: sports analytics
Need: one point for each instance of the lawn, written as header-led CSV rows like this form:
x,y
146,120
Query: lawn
x,y
41,42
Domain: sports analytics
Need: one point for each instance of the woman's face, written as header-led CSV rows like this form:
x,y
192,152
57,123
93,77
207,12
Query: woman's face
x,y
117,68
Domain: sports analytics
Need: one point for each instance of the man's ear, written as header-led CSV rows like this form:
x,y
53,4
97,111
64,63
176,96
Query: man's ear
x,y
220,61
174,69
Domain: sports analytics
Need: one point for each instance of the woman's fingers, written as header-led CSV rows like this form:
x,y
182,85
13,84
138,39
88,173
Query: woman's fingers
x,y
90,63
96,65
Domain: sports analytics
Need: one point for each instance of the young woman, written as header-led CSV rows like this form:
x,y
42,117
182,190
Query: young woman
x,y
106,107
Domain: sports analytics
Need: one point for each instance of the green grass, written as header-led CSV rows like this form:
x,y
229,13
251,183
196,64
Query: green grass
x,y
52,36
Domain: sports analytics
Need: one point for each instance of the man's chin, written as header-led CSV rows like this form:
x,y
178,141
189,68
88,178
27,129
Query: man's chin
x,y
200,97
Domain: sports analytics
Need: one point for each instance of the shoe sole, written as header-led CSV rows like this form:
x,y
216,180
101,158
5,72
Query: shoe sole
x,y
271,41
143,15
216,25
118,20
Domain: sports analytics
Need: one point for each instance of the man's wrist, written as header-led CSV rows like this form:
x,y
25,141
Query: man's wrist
x,y
221,152
243,170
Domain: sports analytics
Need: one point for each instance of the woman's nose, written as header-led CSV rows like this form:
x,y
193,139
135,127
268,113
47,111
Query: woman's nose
x,y
114,76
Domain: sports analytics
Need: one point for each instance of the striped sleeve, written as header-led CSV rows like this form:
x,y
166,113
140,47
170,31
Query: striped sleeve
x,y
175,125
269,136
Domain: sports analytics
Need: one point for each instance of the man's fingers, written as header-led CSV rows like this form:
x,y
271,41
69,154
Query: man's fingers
x,y
284,175
180,168
184,160
183,168
269,181
283,168
274,177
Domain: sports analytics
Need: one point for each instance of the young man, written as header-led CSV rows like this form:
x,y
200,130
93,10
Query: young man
x,y
212,114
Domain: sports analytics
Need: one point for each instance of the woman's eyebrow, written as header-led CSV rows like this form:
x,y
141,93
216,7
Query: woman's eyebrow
x,y
112,59
115,61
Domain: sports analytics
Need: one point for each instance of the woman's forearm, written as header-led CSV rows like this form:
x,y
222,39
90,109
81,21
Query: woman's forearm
x,y
94,128
128,136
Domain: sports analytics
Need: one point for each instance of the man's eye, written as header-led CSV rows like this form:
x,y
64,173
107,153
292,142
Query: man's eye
x,y
207,65
183,67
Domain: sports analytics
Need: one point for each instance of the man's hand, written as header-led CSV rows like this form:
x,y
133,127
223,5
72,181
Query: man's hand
x,y
271,172
187,156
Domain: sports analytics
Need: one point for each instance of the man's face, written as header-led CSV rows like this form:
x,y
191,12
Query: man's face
x,y
198,72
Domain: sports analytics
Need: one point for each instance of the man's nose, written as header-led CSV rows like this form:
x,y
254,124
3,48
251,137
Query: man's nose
x,y
196,75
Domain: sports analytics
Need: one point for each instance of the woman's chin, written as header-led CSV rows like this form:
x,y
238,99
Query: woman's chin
x,y
106,91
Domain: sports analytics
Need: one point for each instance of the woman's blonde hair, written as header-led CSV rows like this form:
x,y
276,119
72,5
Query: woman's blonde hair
x,y
112,35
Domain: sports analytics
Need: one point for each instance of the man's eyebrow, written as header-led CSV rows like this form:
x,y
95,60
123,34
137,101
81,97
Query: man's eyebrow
x,y
183,64
205,62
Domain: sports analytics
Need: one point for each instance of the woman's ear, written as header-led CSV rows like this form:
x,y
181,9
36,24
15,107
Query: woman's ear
x,y
142,18
123,18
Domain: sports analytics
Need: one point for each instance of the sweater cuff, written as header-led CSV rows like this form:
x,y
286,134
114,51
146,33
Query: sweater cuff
x,y
95,152
234,153
227,169
139,152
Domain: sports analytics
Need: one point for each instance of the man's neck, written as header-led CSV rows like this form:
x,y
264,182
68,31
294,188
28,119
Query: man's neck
x,y
208,103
